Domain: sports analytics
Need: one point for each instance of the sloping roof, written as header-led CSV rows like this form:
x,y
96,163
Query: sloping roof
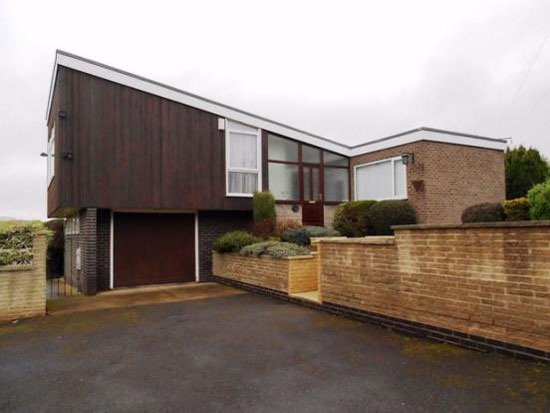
x,y
112,74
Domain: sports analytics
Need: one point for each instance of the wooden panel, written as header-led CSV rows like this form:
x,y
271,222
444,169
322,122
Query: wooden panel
x,y
153,249
135,150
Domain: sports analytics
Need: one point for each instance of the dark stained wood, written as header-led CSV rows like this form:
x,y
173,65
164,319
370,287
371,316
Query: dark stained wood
x,y
312,206
132,149
153,248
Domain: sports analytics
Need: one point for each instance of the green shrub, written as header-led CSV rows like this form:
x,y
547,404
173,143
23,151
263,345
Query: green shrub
x,y
275,249
234,241
539,201
298,236
485,212
16,244
351,218
319,232
517,209
383,214
263,206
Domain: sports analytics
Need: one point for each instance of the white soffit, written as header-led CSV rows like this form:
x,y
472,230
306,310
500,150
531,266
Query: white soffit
x,y
136,82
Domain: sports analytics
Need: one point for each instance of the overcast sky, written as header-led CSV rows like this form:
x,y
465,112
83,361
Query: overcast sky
x,y
349,71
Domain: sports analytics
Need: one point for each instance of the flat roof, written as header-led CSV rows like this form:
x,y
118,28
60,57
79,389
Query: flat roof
x,y
122,77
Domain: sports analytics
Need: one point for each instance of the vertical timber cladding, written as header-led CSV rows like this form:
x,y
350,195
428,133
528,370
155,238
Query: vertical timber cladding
x,y
153,248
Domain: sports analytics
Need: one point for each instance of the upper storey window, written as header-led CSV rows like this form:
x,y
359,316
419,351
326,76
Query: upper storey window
x,y
51,156
243,159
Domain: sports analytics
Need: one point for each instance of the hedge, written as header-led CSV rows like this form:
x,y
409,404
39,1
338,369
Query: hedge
x,y
16,244
485,212
517,209
234,241
383,214
539,201
351,218
302,236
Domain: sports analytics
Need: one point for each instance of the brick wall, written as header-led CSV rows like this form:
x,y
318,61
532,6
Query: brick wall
x,y
213,224
23,288
490,280
446,178
103,251
289,275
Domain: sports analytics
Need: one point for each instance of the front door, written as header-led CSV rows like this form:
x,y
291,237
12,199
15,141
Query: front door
x,y
312,206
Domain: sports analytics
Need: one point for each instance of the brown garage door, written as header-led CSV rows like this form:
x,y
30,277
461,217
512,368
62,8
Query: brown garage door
x,y
153,248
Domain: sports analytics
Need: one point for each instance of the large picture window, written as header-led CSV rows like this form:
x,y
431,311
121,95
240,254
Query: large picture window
x,y
243,159
385,179
336,177
51,156
284,178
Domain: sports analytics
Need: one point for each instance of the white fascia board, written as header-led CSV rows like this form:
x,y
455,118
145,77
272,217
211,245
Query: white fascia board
x,y
186,99
423,135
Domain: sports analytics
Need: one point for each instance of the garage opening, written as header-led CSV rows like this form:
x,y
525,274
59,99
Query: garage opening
x,y
153,248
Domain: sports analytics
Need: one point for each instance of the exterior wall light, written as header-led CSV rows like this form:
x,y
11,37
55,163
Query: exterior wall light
x,y
406,156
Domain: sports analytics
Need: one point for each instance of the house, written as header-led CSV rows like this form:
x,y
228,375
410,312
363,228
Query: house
x,y
149,175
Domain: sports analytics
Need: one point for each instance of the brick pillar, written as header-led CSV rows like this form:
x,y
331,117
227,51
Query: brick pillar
x,y
88,230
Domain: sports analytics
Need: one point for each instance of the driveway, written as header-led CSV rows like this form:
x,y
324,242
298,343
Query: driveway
x,y
248,353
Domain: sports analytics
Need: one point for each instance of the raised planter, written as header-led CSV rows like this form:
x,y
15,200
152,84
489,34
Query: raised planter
x,y
290,275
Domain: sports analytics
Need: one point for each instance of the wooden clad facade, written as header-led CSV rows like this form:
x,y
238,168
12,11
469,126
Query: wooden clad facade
x,y
131,149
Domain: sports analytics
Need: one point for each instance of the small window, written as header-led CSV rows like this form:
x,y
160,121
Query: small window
x,y
51,156
72,225
243,159
281,149
332,159
310,154
379,180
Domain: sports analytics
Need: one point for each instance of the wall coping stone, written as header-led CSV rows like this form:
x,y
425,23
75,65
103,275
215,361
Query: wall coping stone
x,y
15,267
297,257
505,224
373,239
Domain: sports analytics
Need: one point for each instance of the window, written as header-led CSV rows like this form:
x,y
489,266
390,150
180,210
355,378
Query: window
x,y
336,177
283,156
281,149
386,179
72,225
243,159
51,156
310,155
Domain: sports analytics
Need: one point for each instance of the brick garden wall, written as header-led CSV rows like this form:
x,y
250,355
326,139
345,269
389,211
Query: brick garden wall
x,y
23,288
446,178
489,280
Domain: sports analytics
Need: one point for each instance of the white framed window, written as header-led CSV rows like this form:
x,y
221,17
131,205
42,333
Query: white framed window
x,y
243,159
384,179
51,156
72,225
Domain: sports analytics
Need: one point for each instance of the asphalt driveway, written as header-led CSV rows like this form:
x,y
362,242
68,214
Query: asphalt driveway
x,y
248,353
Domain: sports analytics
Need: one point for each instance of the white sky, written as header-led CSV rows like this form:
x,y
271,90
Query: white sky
x,y
349,71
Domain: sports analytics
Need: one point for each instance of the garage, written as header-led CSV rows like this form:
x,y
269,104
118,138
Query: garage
x,y
153,248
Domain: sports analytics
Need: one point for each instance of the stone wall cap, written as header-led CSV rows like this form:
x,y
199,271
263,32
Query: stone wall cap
x,y
319,239
506,224
297,257
373,239
15,267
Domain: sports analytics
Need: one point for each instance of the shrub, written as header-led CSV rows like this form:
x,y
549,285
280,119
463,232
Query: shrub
x,y
264,229
234,241
382,215
517,209
56,248
281,227
485,212
351,218
275,249
263,206
16,244
539,201
298,236
318,232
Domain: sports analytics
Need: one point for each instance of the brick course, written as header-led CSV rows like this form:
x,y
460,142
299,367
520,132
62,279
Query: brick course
x,y
446,178
23,288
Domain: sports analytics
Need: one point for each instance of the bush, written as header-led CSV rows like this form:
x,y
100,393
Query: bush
x,y
263,206
318,232
264,229
351,218
234,241
56,248
382,215
298,236
485,212
275,249
517,209
539,201
16,244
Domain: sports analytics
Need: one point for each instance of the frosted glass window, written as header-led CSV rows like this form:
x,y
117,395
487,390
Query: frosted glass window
x,y
332,159
381,180
281,149
336,185
283,181
242,159
311,155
